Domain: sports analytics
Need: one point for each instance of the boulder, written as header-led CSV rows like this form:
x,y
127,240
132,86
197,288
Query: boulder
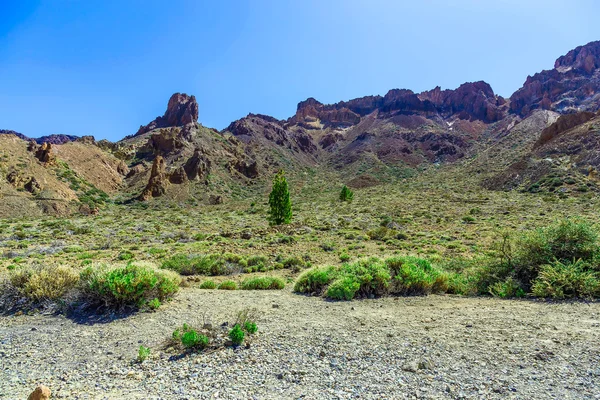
x,y
40,393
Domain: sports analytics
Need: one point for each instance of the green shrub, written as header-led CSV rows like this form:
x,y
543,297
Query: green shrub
x,y
345,257
566,280
416,276
344,288
295,263
227,285
211,264
506,289
346,194
128,286
208,284
381,233
193,340
263,283
258,263
154,304
126,256
314,280
143,353
236,335
250,327
280,206
372,275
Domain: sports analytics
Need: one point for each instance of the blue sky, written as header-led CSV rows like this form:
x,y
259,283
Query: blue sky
x,y
106,67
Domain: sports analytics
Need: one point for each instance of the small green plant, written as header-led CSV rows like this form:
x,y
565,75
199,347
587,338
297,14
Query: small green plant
x,y
208,284
345,257
143,353
346,194
125,256
250,327
193,340
236,335
154,304
227,285
279,201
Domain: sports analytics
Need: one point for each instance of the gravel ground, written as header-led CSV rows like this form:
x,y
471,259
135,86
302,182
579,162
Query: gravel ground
x,y
434,347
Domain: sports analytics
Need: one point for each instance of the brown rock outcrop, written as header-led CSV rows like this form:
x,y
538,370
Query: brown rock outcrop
x,y
43,153
181,110
256,126
197,166
563,124
158,182
40,393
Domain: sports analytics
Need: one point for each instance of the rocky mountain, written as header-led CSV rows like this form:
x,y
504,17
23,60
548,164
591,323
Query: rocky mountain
x,y
573,85
543,138
52,139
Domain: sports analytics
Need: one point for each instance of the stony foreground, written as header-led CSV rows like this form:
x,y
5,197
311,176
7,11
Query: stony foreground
x,y
393,348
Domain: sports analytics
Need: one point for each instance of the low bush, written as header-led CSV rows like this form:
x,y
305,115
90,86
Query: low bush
x,y
211,264
190,338
129,286
227,285
39,284
315,280
343,288
560,280
263,283
208,284
415,276
372,277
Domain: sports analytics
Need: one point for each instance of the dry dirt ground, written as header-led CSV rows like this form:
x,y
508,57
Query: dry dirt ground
x,y
434,347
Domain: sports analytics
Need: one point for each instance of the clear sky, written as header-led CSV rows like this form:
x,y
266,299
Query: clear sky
x,y
105,67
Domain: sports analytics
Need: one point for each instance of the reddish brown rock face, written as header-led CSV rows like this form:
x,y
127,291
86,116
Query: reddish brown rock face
x,y
573,84
181,110
472,101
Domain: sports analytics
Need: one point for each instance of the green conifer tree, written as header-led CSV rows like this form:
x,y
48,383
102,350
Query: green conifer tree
x,y
279,201
346,194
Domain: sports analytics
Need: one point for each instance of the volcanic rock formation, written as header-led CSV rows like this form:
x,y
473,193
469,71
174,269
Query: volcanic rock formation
x,y
181,110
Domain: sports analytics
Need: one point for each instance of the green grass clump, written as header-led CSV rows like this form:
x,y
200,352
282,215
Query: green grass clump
x,y
129,286
227,285
208,284
263,283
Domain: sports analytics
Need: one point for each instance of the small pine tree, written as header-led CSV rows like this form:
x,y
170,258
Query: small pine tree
x,y
279,201
346,194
